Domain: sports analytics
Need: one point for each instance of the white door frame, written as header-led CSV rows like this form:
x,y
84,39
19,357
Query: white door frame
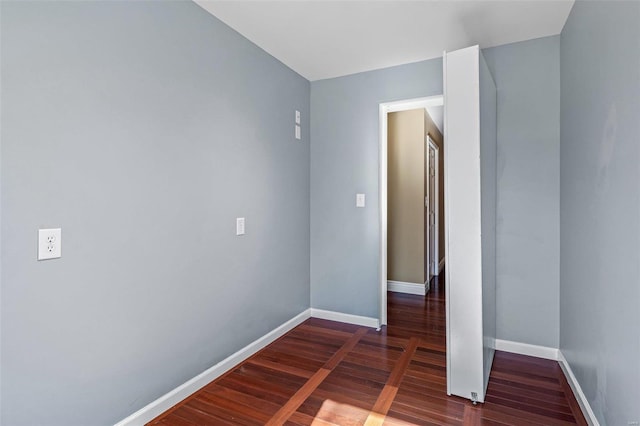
x,y
435,270
384,109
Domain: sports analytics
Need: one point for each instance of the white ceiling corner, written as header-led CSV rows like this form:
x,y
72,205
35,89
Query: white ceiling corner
x,y
437,115
324,39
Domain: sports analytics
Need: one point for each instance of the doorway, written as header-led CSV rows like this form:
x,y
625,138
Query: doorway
x,y
384,110
432,207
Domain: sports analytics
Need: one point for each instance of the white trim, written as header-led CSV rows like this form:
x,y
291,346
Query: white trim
x,y
168,400
348,318
440,266
527,349
408,288
383,110
588,413
415,103
436,202
382,210
447,306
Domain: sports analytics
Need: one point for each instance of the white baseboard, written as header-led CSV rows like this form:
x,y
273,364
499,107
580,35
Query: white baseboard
x,y
440,266
168,400
555,355
409,288
348,318
527,349
577,391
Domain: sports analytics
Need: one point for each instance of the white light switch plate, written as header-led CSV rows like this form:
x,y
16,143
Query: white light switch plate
x,y
297,132
240,226
360,200
297,117
49,243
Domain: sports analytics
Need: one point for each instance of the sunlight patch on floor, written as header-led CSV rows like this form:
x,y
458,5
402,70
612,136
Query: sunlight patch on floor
x,y
334,413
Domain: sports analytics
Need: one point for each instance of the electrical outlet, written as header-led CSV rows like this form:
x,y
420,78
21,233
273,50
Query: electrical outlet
x,y
360,200
297,117
49,243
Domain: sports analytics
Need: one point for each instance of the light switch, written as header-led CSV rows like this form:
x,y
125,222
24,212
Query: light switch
x,y
297,117
240,226
297,132
360,201
49,243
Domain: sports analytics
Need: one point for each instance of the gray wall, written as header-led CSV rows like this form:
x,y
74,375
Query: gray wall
x,y
143,129
488,202
600,205
344,160
527,77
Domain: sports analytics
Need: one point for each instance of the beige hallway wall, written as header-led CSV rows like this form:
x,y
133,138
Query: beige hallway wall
x,y
406,170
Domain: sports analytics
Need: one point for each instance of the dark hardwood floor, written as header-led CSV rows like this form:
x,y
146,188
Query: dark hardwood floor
x,y
329,373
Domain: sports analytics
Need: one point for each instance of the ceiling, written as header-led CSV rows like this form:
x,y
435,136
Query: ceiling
x,y
324,39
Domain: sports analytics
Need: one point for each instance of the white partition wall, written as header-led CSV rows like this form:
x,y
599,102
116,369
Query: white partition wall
x,y
470,185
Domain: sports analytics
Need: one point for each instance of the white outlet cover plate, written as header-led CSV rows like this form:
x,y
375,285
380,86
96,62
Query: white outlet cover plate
x,y
49,243
297,117
297,132
360,200
240,226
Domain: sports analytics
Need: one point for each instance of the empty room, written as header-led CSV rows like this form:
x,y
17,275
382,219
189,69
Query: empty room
x,y
319,212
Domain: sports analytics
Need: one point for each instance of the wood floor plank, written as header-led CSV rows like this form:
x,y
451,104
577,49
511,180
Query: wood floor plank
x,y
398,372
250,401
337,412
345,349
344,386
388,394
249,415
307,389
292,405
196,417
381,407
472,415
282,366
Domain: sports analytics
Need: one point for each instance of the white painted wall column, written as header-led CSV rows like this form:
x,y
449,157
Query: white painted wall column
x,y
469,236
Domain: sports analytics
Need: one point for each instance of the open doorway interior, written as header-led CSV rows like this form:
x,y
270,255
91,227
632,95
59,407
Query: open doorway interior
x,y
412,186
432,207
